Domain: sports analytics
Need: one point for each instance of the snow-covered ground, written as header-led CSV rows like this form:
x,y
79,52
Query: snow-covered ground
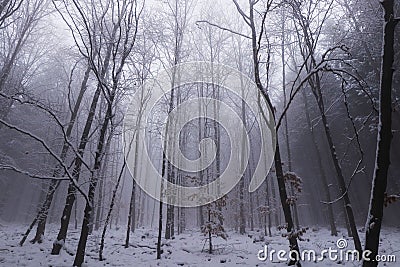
x,y
184,250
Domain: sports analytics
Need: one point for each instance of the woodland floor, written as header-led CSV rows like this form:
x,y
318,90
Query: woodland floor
x,y
184,250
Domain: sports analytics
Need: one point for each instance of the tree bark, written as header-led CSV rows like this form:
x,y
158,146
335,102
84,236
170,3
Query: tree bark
x,y
382,162
80,253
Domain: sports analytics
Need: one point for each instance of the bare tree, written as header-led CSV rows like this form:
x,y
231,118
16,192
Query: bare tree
x,y
20,19
127,16
41,217
382,163
308,54
7,9
255,40
324,178
93,51
145,59
287,139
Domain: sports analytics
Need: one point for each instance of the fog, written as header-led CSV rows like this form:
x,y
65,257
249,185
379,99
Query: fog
x,y
151,127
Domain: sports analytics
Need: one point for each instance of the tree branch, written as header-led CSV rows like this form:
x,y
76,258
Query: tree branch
x,y
57,158
222,28
41,106
246,18
40,177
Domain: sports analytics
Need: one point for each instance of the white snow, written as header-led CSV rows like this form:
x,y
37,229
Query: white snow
x,y
184,250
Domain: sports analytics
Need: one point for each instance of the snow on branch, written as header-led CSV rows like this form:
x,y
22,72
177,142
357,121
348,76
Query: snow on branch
x,y
356,137
35,176
47,110
53,154
322,66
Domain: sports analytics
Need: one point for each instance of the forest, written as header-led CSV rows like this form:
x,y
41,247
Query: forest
x,y
199,133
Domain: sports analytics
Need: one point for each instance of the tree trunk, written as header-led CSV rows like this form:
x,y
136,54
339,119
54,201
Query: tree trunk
x,y
112,203
95,218
200,137
315,84
132,211
277,159
283,61
285,205
80,253
44,210
159,252
242,219
169,223
165,171
275,203
210,248
324,180
268,210
62,234
100,200
243,163
382,162
217,138
340,178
